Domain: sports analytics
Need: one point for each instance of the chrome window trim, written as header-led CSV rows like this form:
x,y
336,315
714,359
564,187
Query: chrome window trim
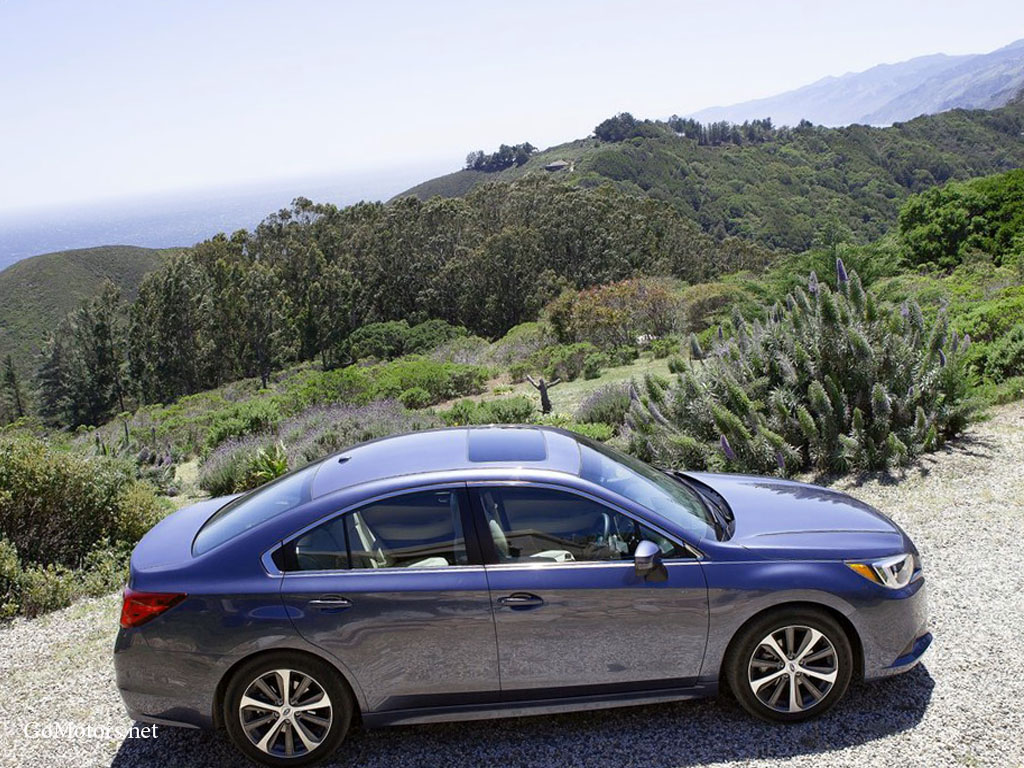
x,y
694,552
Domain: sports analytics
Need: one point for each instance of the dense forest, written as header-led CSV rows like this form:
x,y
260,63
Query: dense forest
x,y
299,285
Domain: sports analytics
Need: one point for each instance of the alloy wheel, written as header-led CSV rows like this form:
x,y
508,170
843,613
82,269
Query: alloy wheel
x,y
285,713
793,669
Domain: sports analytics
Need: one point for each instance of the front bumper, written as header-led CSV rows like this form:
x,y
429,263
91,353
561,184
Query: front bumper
x,y
894,631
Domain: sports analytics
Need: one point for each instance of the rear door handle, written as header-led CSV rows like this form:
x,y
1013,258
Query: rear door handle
x,y
331,603
521,600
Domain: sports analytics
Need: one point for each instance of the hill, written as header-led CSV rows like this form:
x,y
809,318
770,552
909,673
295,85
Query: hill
x,y
37,292
888,93
774,185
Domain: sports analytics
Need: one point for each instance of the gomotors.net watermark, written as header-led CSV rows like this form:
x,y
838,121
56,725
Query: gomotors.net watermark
x,y
69,730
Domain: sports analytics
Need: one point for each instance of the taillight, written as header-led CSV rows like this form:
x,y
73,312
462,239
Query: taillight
x,y
140,607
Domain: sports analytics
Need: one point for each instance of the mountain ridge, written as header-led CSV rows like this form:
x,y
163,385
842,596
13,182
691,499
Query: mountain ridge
x,y
888,93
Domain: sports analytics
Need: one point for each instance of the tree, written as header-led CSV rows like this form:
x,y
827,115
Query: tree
x,y
13,399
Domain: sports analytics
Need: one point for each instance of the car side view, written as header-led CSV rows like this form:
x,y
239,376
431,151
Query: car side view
x,y
482,572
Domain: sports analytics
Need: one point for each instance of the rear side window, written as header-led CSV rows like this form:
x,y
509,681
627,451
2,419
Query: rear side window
x,y
415,530
255,508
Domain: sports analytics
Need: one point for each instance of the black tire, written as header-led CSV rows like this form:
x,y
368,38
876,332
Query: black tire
x,y
751,662
325,679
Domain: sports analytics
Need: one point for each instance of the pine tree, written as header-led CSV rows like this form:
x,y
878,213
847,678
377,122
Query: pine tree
x,y
13,397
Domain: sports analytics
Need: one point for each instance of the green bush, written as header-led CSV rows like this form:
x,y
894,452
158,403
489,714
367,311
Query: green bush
x,y
606,405
622,355
55,505
831,382
664,347
247,418
416,397
382,341
430,335
508,410
593,365
595,431
1004,358
561,361
441,381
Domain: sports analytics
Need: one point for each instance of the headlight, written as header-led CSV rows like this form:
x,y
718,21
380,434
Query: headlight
x,y
893,572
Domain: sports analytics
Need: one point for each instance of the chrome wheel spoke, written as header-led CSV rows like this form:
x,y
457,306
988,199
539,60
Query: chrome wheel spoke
x,y
259,721
248,702
308,741
794,695
270,737
284,679
811,639
828,677
763,681
305,717
318,703
770,643
824,653
266,690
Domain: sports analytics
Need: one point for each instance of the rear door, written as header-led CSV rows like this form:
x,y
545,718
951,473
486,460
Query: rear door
x,y
394,591
572,616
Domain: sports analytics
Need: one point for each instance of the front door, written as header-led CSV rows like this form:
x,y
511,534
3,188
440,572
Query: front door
x,y
389,590
571,614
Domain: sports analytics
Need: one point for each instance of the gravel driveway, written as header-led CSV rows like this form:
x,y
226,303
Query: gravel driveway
x,y
964,507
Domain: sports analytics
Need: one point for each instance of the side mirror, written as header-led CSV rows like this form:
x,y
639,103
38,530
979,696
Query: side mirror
x,y
647,561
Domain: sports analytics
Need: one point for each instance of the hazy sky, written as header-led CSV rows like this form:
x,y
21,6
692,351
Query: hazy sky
x,y
106,99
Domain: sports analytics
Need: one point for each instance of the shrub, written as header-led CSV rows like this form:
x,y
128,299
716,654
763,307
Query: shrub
x,y
471,350
429,335
306,437
508,410
606,405
55,505
616,314
248,418
441,381
1004,358
664,347
416,397
600,432
593,364
382,341
520,343
831,382
622,355
561,361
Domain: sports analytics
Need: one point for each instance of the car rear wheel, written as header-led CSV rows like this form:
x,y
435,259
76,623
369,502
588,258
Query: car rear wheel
x,y
791,665
287,709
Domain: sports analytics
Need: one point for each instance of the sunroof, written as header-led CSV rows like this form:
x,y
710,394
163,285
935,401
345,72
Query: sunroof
x,y
507,445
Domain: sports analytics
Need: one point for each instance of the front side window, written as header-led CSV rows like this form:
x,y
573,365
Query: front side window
x,y
531,525
415,530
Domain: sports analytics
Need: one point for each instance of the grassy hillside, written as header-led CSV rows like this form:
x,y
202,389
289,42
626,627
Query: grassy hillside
x,y
780,187
36,293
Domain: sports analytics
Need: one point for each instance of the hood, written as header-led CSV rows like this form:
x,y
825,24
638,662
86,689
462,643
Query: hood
x,y
782,518
169,542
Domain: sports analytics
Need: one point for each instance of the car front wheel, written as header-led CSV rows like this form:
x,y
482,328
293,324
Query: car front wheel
x,y
287,710
791,665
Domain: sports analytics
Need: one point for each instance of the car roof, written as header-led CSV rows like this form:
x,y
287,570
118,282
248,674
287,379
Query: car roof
x,y
449,449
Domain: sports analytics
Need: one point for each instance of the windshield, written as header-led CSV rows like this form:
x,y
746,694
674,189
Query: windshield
x,y
641,483
254,508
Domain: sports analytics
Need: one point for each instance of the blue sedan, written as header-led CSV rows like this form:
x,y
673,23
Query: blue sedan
x,y
495,571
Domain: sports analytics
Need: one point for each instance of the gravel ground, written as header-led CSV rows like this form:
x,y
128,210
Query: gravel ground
x,y
964,705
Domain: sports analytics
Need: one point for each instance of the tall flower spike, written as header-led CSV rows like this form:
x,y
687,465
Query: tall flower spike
x,y
780,460
812,283
721,335
942,358
730,454
841,271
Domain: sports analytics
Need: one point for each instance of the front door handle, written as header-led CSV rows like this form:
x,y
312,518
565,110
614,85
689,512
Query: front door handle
x,y
521,600
331,603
